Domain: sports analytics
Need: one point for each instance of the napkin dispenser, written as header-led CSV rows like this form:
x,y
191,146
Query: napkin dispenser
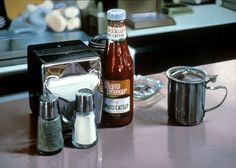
x,y
62,68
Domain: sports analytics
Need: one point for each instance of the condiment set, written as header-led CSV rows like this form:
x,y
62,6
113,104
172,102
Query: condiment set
x,y
76,88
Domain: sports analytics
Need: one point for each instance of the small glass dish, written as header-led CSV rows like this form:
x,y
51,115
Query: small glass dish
x,y
145,87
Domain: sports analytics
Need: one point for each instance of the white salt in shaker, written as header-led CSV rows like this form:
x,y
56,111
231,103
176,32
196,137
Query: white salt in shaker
x,y
84,134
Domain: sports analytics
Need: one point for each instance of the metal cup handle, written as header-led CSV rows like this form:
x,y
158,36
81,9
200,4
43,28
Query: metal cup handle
x,y
212,78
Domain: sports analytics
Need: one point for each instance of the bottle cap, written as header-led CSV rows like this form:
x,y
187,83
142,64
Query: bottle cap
x,y
84,100
49,107
116,14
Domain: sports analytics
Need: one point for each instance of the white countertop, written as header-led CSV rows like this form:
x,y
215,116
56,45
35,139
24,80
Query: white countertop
x,y
202,16
148,142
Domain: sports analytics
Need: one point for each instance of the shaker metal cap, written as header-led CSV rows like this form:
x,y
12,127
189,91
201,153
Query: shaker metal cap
x,y
49,107
116,14
84,100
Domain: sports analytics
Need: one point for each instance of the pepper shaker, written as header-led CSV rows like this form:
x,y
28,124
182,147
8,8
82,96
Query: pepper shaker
x,y
84,134
49,134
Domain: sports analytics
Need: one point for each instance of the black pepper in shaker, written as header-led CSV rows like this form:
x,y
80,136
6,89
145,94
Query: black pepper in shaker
x,y
49,134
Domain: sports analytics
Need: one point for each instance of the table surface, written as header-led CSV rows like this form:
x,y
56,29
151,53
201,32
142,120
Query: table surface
x,y
147,142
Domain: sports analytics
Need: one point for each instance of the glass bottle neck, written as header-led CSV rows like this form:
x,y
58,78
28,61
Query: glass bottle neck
x,y
116,30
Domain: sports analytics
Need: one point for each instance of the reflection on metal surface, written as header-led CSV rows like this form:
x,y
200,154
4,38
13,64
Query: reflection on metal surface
x,y
65,79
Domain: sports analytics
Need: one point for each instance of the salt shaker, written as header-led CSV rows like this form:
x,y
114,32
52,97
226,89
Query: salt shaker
x,y
84,134
49,134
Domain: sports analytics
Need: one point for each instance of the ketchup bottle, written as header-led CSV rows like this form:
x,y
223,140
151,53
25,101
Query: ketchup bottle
x,y
117,73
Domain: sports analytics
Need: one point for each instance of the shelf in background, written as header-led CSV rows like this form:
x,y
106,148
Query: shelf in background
x,y
202,16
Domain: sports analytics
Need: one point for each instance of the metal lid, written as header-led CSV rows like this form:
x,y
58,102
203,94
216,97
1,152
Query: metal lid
x,y
98,41
84,101
116,14
49,107
186,74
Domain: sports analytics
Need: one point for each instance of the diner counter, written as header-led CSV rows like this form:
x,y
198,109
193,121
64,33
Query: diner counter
x,y
213,15
149,141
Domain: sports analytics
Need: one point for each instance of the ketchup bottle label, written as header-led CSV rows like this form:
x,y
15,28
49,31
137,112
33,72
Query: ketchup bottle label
x,y
117,96
116,33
